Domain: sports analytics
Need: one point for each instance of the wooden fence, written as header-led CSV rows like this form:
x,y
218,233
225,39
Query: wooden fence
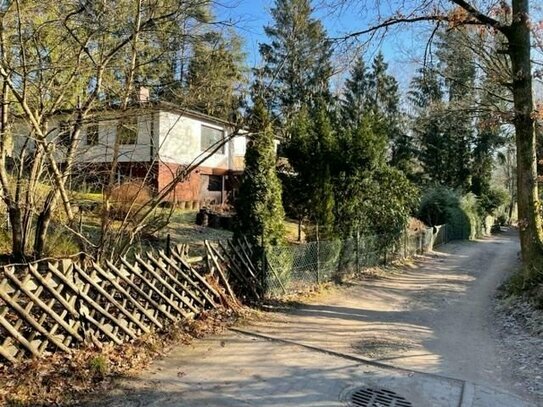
x,y
56,306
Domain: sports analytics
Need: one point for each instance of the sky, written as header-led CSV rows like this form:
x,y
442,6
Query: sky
x,y
403,47
400,51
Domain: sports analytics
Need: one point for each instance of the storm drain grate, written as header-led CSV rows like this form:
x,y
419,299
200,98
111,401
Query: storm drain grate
x,y
367,397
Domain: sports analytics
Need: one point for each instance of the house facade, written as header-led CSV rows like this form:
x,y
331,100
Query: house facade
x,y
155,141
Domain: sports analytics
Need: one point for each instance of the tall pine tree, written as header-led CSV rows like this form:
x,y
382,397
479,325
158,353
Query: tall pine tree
x,y
296,62
216,75
459,70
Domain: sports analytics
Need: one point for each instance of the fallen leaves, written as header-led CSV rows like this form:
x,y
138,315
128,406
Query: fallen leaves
x,y
65,379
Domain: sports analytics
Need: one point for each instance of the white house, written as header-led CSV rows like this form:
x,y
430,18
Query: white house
x,y
155,140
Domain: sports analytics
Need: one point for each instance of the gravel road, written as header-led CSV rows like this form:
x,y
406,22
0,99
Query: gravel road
x,y
437,316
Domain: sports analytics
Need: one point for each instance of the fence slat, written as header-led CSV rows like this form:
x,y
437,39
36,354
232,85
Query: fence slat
x,y
127,296
222,277
156,290
172,290
112,300
189,280
127,280
31,321
97,307
42,305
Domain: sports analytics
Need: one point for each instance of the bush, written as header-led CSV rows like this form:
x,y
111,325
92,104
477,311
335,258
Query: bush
x,y
492,200
99,366
127,198
377,202
441,205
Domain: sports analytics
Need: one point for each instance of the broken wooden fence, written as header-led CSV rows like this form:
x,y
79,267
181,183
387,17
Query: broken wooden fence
x,y
58,305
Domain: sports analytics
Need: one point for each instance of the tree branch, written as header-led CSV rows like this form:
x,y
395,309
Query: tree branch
x,y
483,18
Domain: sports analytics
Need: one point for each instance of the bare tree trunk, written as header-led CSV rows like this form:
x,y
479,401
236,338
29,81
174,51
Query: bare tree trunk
x,y
527,191
17,242
42,223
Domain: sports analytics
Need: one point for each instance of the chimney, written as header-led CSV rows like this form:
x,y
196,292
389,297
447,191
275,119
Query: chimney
x,y
143,94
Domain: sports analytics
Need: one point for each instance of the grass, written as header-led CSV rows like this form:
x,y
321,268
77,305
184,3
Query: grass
x,y
183,229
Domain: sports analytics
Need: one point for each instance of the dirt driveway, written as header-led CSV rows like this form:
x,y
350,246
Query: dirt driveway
x,y
435,317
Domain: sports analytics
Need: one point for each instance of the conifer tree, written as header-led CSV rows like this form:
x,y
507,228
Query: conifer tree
x,y
260,214
297,66
426,96
458,68
355,101
216,75
312,152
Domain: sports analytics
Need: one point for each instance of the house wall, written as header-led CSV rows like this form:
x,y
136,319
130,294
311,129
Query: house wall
x,y
194,188
169,139
180,141
142,151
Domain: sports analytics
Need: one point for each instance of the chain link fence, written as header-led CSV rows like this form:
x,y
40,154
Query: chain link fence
x,y
294,268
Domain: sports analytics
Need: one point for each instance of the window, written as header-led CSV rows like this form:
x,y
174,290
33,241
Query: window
x,y
214,183
211,138
64,133
92,134
127,131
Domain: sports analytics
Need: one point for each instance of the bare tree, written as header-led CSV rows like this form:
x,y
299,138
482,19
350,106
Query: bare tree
x,y
68,59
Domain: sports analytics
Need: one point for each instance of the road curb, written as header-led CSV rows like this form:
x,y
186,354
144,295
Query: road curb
x,y
468,394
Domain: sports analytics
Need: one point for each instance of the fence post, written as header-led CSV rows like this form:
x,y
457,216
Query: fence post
x,y
168,245
405,244
263,268
357,250
318,256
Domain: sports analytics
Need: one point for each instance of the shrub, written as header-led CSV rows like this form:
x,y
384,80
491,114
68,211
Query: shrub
x,y
441,205
492,200
377,202
127,198
99,366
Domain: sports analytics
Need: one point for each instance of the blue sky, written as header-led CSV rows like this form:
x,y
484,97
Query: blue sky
x,y
400,48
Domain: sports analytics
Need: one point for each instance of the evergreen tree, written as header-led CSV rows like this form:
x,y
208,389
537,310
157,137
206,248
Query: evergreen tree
x,y
376,92
312,152
458,68
356,95
384,90
297,64
362,151
260,214
426,96
215,75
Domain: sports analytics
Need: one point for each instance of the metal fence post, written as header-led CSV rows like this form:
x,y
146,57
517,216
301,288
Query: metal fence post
x,y
318,257
357,251
405,244
263,267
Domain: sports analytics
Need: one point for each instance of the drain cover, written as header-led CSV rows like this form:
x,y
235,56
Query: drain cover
x,y
368,397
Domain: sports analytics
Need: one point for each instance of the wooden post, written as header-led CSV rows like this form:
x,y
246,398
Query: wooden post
x,y
222,189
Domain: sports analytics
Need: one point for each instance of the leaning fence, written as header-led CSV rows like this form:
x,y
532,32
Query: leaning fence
x,y
59,305
295,268
56,306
